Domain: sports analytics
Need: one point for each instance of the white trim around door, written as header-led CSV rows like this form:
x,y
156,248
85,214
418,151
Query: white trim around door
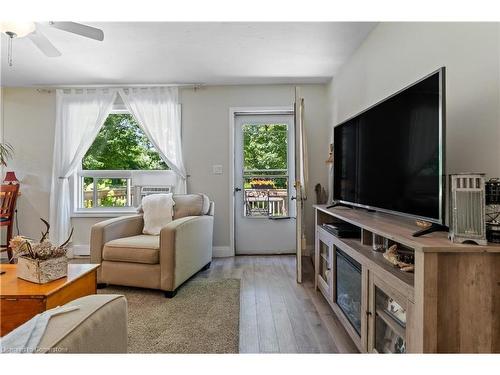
x,y
233,111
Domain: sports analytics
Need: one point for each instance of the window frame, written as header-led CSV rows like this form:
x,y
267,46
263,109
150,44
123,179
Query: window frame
x,y
77,184
102,174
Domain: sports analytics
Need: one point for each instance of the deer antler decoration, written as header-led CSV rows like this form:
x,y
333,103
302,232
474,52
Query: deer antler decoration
x,y
46,233
43,250
69,238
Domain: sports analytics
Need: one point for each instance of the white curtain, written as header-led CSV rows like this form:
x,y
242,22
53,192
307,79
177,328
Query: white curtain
x,y
158,112
80,113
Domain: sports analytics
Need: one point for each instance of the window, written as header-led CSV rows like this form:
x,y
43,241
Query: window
x,y
120,149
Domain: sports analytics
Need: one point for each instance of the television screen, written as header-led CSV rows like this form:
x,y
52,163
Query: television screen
x,y
390,157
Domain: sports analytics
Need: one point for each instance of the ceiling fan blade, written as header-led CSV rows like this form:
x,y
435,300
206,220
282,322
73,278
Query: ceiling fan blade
x,y
78,28
44,44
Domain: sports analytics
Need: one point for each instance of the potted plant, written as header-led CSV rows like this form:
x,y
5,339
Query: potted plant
x,y
40,262
6,153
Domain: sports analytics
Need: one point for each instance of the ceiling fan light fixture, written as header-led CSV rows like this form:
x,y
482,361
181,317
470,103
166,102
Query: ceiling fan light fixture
x,y
17,29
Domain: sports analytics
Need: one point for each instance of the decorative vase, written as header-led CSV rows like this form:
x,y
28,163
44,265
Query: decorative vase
x,y
42,271
378,243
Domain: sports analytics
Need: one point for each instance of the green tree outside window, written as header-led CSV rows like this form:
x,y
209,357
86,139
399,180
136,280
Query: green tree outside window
x,y
265,147
120,145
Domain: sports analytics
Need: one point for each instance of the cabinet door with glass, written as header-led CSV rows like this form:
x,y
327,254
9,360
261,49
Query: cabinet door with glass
x,y
324,260
387,316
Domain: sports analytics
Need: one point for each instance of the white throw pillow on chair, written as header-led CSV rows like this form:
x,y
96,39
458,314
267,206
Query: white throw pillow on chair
x,y
158,212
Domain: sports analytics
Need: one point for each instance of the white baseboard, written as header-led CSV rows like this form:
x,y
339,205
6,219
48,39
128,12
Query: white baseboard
x,y
78,251
222,252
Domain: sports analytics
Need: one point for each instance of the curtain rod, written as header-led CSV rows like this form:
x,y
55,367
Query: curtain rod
x,y
195,85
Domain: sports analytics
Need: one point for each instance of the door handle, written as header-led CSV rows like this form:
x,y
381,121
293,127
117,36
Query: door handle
x,y
293,198
237,189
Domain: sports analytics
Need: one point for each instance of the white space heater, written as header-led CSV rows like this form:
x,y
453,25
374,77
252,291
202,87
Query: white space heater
x,y
467,204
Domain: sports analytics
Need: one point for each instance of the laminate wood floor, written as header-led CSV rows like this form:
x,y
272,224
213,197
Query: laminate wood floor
x,y
277,315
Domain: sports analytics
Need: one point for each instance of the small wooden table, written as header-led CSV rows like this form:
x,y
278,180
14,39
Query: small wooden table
x,y
21,300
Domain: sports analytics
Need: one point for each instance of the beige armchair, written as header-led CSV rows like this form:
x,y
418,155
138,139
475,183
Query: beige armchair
x,y
164,262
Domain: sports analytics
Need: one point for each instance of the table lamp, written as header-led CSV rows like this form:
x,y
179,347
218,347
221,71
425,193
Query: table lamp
x,y
10,178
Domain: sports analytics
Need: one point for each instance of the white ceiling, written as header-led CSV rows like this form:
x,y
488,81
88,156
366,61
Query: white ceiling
x,y
202,52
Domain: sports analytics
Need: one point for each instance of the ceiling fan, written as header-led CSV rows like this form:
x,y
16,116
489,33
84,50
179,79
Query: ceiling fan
x,y
32,31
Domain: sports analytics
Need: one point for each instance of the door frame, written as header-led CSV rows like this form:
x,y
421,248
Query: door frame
x,y
233,112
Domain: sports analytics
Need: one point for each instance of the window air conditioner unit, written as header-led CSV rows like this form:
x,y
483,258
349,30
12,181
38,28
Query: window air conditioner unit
x,y
143,191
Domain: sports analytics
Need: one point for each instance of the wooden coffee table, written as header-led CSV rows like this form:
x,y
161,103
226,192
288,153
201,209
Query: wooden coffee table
x,y
21,300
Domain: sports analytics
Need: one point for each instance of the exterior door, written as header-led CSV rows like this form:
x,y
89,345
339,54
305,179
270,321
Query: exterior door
x,y
264,175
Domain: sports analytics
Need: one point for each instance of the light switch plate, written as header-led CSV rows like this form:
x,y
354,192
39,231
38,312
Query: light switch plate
x,y
217,169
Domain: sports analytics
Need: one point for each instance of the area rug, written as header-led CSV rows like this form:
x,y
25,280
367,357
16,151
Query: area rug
x,y
202,318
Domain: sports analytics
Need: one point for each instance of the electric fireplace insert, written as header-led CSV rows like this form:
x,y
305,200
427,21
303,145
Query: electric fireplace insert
x,y
348,292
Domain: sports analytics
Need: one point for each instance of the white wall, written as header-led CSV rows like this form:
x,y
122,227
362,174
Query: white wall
x,y
205,119
28,125
29,118
397,54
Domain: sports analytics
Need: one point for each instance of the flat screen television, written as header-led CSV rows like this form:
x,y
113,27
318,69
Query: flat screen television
x,y
390,157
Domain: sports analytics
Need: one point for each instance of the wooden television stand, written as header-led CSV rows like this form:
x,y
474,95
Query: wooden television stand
x,y
450,304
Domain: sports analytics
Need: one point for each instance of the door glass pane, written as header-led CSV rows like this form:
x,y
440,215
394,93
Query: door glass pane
x,y
390,306
112,192
265,170
390,324
324,262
